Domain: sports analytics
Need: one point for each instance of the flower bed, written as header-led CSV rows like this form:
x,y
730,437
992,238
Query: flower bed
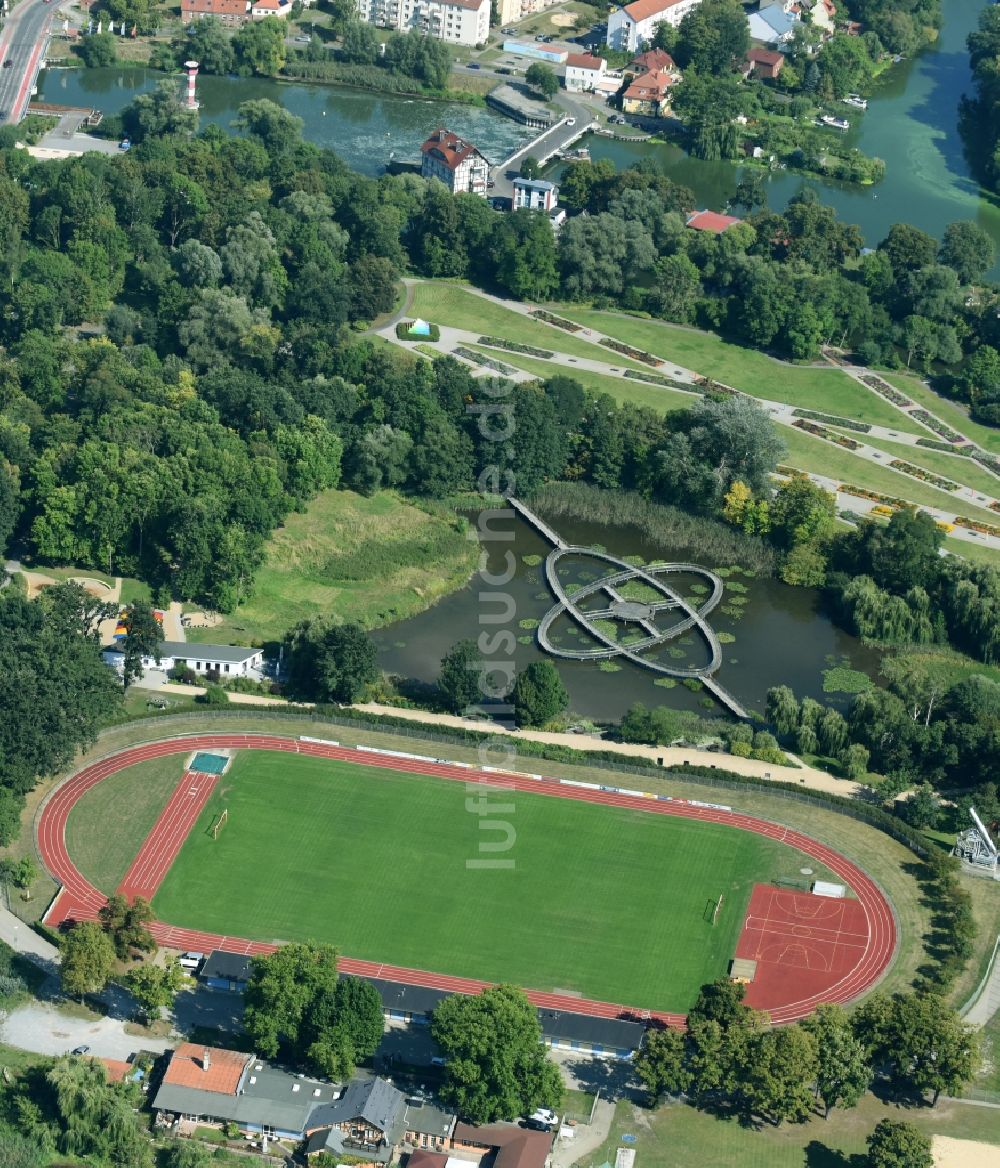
x,y
947,447
886,390
874,496
937,426
833,420
976,525
829,435
514,347
710,386
990,461
628,351
659,379
403,331
925,476
481,359
559,321
791,471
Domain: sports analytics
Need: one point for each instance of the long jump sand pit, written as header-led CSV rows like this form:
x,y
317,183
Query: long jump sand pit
x,y
951,1153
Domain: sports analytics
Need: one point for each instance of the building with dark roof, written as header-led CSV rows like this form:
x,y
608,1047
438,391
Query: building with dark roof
x,y
227,971
367,1122
598,1037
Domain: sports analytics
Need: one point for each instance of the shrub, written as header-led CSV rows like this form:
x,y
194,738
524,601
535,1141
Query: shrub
x,y
214,695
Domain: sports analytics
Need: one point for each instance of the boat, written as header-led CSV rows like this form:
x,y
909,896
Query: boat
x,y
856,100
835,123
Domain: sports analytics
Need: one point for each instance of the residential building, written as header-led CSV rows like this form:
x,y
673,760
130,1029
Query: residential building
x,y
234,13
649,94
457,22
226,971
583,72
209,1086
509,1145
712,221
367,1122
652,61
536,194
455,162
632,28
763,63
261,8
226,660
772,25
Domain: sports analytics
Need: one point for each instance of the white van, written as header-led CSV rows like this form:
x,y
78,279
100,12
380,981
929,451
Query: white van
x,y
190,960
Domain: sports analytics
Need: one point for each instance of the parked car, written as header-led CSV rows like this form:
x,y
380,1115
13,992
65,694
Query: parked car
x,y
78,1050
571,121
472,65
7,64
544,1115
505,72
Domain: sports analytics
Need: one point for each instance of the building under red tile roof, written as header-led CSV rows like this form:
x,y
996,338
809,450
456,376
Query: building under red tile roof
x,y
764,57
216,7
712,221
584,61
206,1068
448,148
650,87
117,1070
643,9
516,1147
420,1158
652,60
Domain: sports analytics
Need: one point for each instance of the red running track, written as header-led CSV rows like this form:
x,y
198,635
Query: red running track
x,y
167,836
79,899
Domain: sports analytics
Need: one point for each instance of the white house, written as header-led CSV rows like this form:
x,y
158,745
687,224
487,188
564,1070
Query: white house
x,y
455,162
584,72
226,660
631,28
457,22
536,194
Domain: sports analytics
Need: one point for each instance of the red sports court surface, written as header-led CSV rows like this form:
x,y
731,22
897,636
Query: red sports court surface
x,y
804,945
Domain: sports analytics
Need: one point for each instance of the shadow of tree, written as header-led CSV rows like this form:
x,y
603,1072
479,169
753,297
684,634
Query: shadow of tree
x,y
818,1155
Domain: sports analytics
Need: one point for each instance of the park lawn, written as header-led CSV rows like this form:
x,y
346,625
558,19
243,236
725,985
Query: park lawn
x,y
607,902
948,666
131,800
948,411
622,389
372,560
976,553
451,304
822,457
960,470
989,1078
679,1136
812,387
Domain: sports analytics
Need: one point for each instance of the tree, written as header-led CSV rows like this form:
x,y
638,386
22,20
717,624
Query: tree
x,y
542,79
458,683
208,42
782,709
21,873
843,1072
98,50
155,987
87,960
278,130
539,694
899,1145
712,37
497,1066
125,925
854,759
968,249
908,248
281,991
260,46
742,510
156,114
341,1027
661,1064
529,165
778,1074
330,663
801,512
10,504
143,637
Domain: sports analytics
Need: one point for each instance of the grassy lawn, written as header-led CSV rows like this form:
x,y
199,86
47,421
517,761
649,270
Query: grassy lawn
x,y
948,411
950,466
977,553
451,304
643,393
812,387
135,592
989,1077
69,573
131,800
948,666
376,862
372,560
822,457
679,1136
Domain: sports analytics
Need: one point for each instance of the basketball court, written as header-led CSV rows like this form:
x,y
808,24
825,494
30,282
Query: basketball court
x,y
803,944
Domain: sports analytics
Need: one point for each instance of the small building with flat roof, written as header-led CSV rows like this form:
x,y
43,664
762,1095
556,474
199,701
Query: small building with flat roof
x,y
227,971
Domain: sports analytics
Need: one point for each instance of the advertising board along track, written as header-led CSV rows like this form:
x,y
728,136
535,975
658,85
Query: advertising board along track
x,y
78,899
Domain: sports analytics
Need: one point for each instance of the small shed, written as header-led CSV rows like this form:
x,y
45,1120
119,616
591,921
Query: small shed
x,y
742,970
825,888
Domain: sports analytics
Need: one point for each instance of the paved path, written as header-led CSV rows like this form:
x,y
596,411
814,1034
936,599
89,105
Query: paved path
x,y
23,939
988,1002
41,1027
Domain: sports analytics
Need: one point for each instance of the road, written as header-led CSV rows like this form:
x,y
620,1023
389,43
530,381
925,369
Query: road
x,y
22,42
546,143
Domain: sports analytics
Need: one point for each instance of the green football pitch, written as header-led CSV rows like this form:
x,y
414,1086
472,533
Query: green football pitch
x,y
605,902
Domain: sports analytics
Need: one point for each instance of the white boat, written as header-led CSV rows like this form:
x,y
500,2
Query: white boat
x,y
835,123
856,100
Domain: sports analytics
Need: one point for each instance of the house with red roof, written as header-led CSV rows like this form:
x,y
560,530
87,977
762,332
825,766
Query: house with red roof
x,y
234,13
455,162
650,94
763,63
261,8
712,221
652,61
632,28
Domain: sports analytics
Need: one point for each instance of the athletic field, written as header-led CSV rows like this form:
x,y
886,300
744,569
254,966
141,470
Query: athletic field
x,y
606,902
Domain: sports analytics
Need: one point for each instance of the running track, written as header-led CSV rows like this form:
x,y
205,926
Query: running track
x,y
79,899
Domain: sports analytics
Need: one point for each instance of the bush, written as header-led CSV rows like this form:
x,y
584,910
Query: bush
x,y
214,695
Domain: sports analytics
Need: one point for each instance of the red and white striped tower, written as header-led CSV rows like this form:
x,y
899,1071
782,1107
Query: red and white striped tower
x,y
192,72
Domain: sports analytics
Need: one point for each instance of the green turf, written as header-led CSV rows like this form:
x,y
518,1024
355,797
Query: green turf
x,y
976,553
964,471
822,457
811,387
949,412
606,902
132,800
372,559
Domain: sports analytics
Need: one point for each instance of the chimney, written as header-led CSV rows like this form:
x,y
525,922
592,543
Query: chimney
x,y
206,1059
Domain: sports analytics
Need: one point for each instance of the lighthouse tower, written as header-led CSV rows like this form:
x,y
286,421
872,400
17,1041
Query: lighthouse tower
x,y
192,74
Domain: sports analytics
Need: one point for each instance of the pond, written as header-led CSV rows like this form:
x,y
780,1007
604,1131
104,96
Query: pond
x,y
782,637
366,130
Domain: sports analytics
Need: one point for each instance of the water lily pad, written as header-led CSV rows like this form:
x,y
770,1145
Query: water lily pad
x,y
725,638
609,667
666,682
528,622
532,560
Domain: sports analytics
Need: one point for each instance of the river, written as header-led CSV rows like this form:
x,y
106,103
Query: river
x,y
911,123
366,130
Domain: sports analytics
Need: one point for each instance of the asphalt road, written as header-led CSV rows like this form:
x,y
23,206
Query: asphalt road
x,y
22,42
